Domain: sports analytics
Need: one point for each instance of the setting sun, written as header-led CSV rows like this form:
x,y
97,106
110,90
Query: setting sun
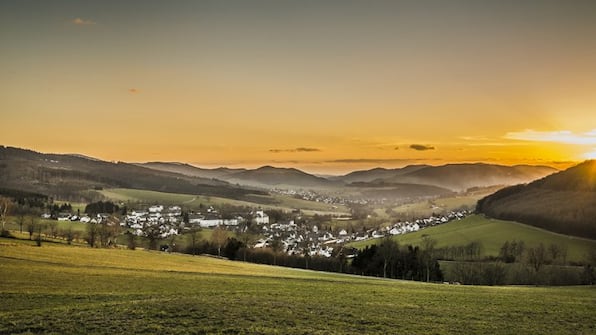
x,y
590,155
243,86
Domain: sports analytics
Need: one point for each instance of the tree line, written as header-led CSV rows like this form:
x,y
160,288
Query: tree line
x,y
520,264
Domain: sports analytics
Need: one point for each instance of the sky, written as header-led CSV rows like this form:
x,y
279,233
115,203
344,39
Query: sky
x,y
324,86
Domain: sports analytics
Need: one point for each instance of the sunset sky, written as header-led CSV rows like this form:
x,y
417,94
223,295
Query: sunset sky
x,y
324,86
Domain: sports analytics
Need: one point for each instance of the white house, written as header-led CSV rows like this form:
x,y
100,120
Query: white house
x,y
156,209
261,218
138,213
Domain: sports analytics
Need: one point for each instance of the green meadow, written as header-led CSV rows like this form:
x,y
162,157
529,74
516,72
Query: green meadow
x,y
58,289
492,234
12,224
193,201
426,208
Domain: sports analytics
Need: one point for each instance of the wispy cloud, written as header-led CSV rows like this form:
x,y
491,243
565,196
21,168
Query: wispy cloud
x,y
286,162
301,149
82,22
421,147
561,136
474,138
133,91
376,161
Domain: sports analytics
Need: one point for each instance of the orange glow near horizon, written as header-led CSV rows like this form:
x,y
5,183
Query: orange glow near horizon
x,y
325,87
590,155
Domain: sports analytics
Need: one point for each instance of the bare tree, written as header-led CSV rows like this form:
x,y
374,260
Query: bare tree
x,y
31,225
537,256
92,233
131,240
21,220
247,239
194,236
52,228
388,250
152,232
276,247
557,253
428,250
219,238
5,208
38,240
172,245
306,253
69,234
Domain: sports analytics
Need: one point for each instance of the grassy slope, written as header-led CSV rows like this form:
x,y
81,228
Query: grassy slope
x,y
267,202
492,234
57,289
425,208
11,224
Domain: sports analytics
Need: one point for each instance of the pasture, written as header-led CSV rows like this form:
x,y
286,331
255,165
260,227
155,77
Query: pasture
x,y
193,201
66,290
492,234
426,208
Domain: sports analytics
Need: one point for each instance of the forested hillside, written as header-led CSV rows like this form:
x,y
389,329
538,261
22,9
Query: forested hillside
x,y
72,177
564,202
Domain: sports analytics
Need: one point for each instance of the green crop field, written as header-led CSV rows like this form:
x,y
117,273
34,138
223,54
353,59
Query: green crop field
x,y
193,201
75,290
492,234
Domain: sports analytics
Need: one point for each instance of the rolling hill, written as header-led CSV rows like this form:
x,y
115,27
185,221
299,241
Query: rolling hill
x,y
459,177
492,233
264,177
450,178
377,173
71,177
564,202
402,191
273,176
190,170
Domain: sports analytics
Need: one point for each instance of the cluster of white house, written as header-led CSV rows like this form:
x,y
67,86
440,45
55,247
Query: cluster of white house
x,y
170,220
313,241
99,218
295,239
212,219
166,220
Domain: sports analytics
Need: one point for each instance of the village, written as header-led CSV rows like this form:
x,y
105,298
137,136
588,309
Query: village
x,y
295,233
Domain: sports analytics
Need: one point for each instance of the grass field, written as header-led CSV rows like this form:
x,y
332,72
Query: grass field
x,y
193,201
11,224
492,234
68,290
426,208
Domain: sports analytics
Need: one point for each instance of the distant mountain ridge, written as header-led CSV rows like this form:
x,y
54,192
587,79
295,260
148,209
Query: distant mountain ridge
x,y
269,175
190,170
377,173
265,176
72,177
564,202
455,177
